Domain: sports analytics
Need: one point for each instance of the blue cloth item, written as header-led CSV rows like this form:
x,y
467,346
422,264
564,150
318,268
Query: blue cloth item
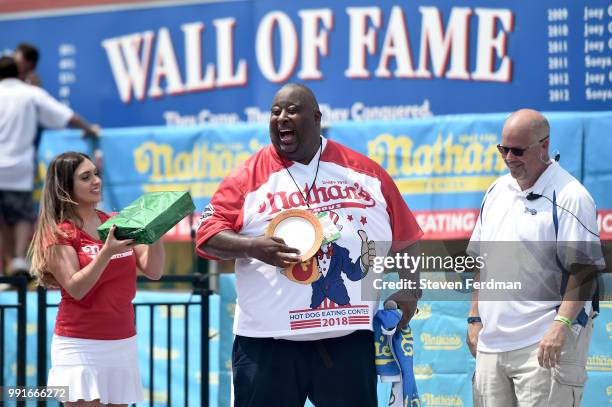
x,y
394,354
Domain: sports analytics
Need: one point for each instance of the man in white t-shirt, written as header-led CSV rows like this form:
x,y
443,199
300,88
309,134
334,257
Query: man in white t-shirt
x,y
531,346
23,108
298,337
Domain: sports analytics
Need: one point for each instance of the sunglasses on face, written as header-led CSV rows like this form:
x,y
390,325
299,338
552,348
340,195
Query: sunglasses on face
x,y
517,151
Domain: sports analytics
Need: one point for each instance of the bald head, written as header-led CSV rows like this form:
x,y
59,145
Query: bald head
x,y
529,122
525,139
304,91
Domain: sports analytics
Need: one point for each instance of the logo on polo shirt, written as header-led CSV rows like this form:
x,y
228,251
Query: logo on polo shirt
x,y
531,211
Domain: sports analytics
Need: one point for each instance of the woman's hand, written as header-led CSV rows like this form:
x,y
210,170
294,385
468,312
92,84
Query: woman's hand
x,y
114,246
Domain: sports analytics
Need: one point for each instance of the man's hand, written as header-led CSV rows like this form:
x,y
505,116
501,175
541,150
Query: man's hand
x,y
549,352
93,130
89,130
274,251
406,300
473,332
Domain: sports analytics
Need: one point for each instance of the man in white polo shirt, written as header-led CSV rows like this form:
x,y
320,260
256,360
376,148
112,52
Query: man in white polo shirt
x,y
23,108
531,349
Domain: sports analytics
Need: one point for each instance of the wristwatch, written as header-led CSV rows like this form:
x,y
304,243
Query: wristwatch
x,y
473,320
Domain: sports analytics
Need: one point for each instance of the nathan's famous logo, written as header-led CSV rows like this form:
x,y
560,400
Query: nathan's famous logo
x,y
470,164
609,329
424,312
423,372
440,400
198,170
327,195
441,342
599,363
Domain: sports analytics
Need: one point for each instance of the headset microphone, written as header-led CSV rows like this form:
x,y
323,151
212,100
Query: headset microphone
x,y
557,156
532,197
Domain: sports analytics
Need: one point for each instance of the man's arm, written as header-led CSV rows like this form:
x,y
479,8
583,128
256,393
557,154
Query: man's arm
x,y
474,328
580,251
580,285
405,228
407,299
228,245
78,122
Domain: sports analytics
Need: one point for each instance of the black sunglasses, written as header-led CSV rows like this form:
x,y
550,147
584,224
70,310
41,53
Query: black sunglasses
x,y
517,151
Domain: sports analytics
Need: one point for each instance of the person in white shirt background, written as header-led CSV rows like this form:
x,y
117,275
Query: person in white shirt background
x,y
24,107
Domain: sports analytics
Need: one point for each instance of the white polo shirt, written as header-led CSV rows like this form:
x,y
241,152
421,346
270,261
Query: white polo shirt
x,y
508,216
23,108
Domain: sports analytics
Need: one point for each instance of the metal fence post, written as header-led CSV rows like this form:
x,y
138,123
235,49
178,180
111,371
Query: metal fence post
x,y
41,341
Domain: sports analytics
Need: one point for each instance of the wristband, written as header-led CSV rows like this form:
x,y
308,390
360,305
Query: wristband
x,y
565,321
473,320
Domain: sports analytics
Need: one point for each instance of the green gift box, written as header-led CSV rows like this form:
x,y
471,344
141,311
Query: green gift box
x,y
147,219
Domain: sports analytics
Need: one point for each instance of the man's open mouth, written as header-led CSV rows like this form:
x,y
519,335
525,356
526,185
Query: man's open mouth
x,y
287,136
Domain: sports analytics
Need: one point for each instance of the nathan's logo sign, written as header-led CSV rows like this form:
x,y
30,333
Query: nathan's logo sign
x,y
599,363
424,312
146,64
466,163
423,372
198,170
441,400
324,196
441,342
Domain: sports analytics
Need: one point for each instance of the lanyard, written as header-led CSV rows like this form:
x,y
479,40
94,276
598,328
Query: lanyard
x,y
313,181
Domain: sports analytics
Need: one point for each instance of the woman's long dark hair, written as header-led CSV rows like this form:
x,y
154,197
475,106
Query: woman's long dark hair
x,y
56,207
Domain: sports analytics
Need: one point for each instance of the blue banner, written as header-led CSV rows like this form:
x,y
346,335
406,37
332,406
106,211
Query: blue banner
x,y
441,165
448,162
221,62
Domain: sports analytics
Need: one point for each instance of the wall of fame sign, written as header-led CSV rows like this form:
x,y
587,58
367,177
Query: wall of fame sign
x,y
151,63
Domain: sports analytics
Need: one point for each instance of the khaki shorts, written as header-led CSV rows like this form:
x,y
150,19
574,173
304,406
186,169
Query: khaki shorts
x,y
515,378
